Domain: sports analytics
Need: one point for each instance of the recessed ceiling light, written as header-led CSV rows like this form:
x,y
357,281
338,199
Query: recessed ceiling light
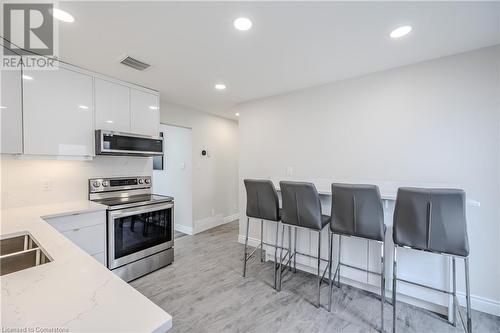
x,y
153,107
401,31
237,114
2,107
83,107
110,121
242,23
220,86
27,77
61,15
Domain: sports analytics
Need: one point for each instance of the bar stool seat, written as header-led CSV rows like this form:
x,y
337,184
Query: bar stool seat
x,y
433,220
325,219
357,212
263,204
301,209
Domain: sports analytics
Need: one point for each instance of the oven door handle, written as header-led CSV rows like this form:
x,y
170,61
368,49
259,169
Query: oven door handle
x,y
139,210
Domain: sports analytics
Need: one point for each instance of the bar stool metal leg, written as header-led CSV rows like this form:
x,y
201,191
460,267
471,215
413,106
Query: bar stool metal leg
x,y
245,250
261,240
382,286
394,277
338,267
276,255
289,248
454,276
319,268
281,257
295,250
330,283
467,292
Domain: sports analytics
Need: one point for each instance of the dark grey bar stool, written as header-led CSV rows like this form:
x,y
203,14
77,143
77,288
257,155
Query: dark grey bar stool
x,y
357,212
433,220
263,204
301,209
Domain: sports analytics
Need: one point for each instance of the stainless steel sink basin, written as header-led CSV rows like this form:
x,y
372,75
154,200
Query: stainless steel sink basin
x,y
20,252
17,244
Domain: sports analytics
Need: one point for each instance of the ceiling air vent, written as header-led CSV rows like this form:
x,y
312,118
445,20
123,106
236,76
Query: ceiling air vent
x,y
134,63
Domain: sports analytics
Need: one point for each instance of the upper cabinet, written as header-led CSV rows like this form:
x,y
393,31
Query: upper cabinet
x,y
112,105
144,112
55,112
58,112
124,109
11,111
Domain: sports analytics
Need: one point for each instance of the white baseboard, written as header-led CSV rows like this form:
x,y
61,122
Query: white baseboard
x,y
214,221
477,302
251,241
231,218
183,228
481,304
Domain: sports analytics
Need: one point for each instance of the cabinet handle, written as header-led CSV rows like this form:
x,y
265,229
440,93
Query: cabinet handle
x,y
77,229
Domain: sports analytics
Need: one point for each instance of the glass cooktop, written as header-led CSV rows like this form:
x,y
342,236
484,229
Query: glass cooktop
x,y
134,200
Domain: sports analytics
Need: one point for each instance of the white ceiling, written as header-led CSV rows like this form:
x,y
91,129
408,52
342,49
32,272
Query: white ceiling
x,y
293,45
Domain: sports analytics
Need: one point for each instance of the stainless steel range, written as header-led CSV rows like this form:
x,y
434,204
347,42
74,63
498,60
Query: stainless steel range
x,y
140,225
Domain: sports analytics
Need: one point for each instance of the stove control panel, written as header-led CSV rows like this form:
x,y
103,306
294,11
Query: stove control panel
x,y
118,183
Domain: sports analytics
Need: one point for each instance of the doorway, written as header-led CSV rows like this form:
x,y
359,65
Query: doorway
x,y
176,177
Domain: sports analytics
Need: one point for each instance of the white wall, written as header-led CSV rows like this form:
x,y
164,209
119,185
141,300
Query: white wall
x,y
176,178
215,178
22,181
436,121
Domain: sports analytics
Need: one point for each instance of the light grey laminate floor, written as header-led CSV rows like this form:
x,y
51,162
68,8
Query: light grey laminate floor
x,y
204,292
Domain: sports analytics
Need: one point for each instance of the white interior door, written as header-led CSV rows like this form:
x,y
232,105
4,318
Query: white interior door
x,y
176,177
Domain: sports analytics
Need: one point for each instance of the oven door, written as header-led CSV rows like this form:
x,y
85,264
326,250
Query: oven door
x,y
138,232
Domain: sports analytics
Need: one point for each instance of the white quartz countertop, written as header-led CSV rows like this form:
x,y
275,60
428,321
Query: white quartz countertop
x,y
74,292
388,189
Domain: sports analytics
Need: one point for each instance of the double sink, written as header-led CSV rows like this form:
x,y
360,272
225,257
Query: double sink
x,y
20,252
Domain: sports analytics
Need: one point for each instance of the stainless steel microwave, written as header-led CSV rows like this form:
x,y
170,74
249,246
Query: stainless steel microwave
x,y
128,144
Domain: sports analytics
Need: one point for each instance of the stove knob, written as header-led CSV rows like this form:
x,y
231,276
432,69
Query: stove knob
x,y
148,181
141,181
96,183
105,183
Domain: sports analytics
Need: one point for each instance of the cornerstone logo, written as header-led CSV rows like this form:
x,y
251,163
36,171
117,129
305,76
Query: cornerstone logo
x,y
28,32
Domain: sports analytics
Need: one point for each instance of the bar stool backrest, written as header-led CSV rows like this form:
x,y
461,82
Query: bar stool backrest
x,y
431,220
357,211
301,205
262,200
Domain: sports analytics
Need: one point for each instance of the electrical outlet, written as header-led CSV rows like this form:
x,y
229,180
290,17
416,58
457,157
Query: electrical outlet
x,y
213,212
289,171
47,185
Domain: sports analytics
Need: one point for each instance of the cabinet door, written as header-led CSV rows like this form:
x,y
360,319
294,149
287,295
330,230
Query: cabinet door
x,y
58,117
145,112
89,239
112,106
11,111
86,230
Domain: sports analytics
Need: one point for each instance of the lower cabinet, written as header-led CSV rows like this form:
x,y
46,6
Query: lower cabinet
x,y
87,230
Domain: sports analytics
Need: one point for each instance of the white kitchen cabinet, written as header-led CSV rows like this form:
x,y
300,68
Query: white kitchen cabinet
x,y
112,106
86,230
144,112
11,111
58,113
